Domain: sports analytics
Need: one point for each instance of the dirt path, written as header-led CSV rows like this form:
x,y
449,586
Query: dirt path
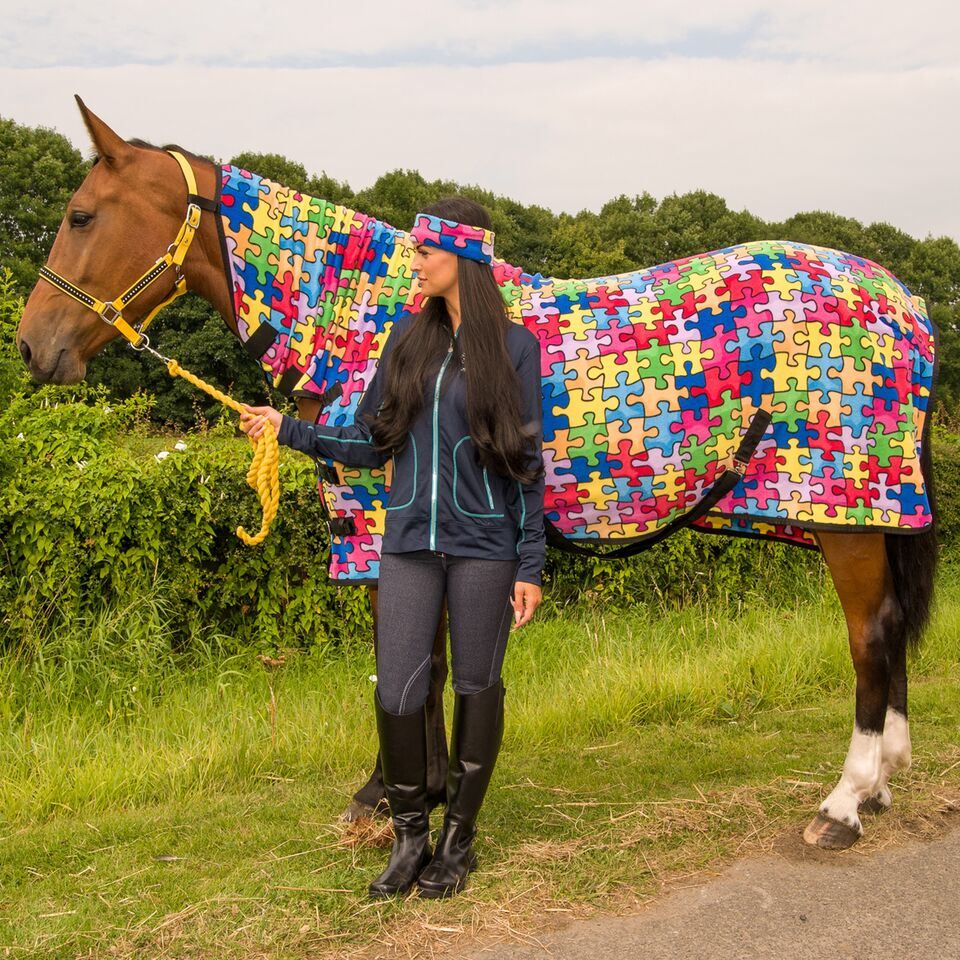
x,y
795,903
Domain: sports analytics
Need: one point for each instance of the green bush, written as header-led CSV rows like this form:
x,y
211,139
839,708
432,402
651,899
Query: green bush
x,y
89,516
91,520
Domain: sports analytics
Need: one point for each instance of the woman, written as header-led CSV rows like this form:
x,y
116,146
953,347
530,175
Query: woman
x,y
456,401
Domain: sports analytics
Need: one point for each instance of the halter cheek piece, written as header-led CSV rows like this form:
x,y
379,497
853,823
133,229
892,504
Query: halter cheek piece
x,y
111,312
474,243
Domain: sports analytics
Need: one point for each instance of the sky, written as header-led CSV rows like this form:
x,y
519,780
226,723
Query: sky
x,y
851,107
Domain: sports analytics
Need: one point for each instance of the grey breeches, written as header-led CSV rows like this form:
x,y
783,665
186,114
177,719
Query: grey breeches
x,y
410,592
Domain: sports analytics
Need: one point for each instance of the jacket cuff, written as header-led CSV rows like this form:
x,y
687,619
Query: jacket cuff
x,y
285,431
530,569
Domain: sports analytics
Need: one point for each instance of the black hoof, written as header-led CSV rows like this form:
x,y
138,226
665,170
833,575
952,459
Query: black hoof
x,y
359,811
830,834
873,805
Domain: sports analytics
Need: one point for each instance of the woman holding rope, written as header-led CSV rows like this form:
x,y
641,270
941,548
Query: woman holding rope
x,y
456,402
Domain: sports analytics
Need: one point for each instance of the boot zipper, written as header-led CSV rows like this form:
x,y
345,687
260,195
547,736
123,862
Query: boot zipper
x,y
433,488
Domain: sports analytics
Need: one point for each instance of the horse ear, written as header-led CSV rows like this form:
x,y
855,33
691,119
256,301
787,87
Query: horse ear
x,y
109,146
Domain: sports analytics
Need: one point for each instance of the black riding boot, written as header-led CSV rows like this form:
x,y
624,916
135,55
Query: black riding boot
x,y
475,743
403,755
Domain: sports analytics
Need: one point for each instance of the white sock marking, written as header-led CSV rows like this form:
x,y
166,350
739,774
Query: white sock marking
x,y
859,780
895,752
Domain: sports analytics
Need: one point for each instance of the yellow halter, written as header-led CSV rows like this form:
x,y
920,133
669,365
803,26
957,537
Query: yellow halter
x,y
263,473
112,312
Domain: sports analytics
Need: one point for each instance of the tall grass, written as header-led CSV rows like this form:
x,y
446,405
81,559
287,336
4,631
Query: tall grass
x,y
105,714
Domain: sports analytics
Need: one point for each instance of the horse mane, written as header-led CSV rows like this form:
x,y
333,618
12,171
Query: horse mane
x,y
147,145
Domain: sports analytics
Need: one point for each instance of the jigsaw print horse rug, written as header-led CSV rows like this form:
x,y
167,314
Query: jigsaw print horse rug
x,y
650,378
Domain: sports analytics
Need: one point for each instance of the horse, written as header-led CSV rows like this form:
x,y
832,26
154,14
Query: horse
x,y
771,389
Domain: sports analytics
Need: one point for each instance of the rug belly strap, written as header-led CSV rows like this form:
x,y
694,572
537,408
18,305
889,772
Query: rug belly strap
x,y
732,474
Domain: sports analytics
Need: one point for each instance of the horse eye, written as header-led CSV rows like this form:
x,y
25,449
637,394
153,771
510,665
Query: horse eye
x,y
78,219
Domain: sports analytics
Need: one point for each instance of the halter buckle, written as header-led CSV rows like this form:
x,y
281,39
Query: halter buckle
x,y
110,314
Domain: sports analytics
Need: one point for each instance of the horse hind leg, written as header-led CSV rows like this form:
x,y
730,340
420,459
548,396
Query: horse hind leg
x,y
895,746
861,574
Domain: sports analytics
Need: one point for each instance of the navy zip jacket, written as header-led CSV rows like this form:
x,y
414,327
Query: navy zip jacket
x,y
440,498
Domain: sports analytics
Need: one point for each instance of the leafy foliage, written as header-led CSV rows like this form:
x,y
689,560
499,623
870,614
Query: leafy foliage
x,y
39,170
627,232
89,517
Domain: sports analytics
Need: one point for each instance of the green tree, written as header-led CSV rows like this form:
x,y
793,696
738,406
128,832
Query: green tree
x,y
39,170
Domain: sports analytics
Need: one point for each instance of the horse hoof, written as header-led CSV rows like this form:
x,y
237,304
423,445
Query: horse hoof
x,y
830,834
359,811
874,804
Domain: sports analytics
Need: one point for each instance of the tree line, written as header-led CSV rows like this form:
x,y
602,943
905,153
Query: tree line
x,y
40,169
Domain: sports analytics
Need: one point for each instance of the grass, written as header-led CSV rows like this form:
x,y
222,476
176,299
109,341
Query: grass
x,y
157,804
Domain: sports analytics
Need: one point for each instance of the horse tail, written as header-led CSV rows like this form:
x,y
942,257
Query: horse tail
x,y
913,561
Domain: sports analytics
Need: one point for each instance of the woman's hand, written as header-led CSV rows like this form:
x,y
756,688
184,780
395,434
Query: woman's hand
x,y
253,419
526,598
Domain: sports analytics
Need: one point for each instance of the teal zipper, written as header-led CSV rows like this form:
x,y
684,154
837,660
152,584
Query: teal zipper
x,y
436,451
486,483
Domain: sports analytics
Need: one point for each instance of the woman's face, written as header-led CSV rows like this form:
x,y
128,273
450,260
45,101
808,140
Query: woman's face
x,y
436,269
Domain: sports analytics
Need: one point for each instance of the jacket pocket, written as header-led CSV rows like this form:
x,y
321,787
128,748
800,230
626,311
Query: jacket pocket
x,y
472,495
403,484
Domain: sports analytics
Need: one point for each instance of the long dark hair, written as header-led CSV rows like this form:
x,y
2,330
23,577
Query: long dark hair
x,y
503,443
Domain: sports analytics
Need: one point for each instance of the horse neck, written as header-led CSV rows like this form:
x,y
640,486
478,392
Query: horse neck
x,y
350,266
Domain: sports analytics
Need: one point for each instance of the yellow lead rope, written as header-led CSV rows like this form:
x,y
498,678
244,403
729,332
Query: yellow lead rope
x,y
263,475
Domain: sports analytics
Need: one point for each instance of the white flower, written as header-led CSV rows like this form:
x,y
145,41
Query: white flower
x,y
372,678
108,409
179,445
162,455
81,464
19,436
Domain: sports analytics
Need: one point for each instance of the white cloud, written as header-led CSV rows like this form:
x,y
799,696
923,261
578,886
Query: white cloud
x,y
300,33
846,107
879,35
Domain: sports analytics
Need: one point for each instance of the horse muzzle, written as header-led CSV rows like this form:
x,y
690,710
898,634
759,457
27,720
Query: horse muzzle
x,y
52,363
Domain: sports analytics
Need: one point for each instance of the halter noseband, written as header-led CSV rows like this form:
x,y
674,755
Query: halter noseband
x,y
111,312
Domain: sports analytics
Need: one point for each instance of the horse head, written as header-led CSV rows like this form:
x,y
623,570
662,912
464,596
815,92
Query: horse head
x,y
120,220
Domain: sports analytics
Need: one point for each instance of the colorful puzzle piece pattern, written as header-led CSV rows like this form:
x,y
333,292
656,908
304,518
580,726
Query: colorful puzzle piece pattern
x,y
329,281
463,239
649,377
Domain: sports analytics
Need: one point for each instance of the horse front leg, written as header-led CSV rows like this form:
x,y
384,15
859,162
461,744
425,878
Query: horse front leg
x,y
861,574
371,799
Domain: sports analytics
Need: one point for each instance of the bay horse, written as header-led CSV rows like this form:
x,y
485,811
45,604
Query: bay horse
x,y
771,389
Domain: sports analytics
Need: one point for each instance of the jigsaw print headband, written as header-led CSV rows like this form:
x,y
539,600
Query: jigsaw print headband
x,y
474,243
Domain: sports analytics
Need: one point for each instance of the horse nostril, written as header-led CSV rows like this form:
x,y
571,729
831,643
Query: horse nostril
x,y
25,351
